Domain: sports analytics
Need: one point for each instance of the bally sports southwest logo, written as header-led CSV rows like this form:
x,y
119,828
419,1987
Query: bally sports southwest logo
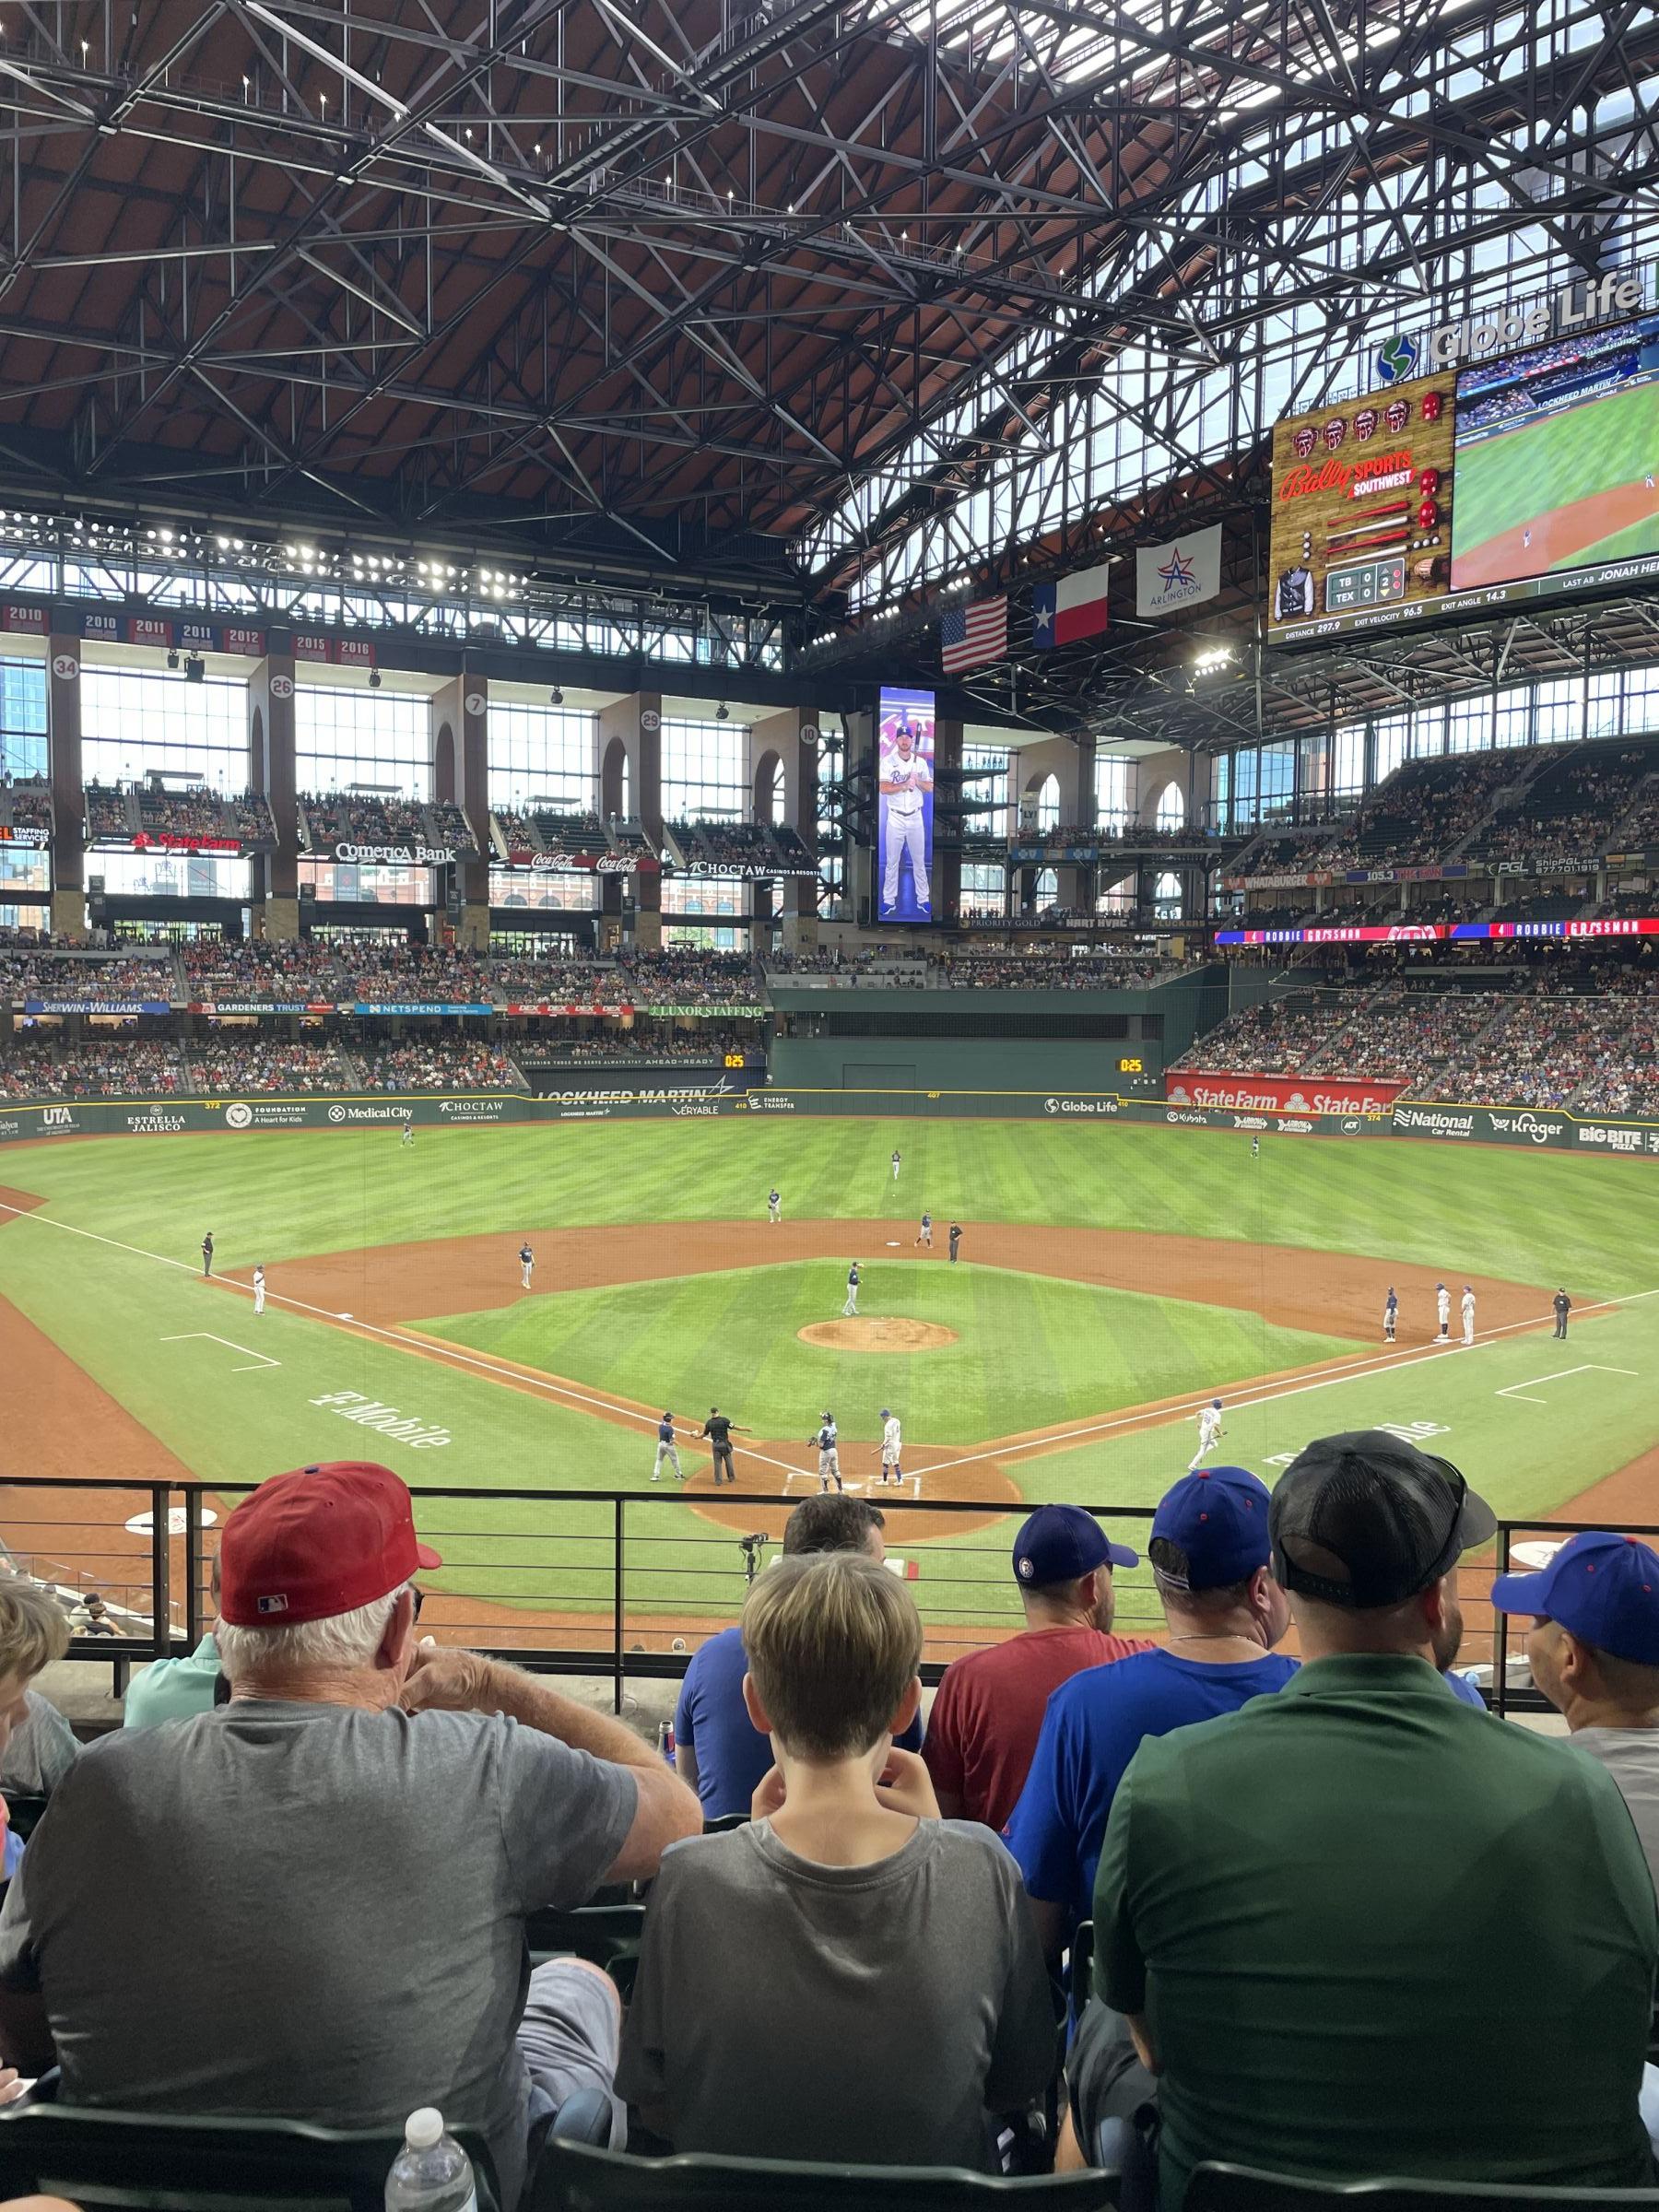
x,y
1396,360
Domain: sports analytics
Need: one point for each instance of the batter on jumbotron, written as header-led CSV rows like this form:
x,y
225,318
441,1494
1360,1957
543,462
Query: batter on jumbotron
x,y
1362,504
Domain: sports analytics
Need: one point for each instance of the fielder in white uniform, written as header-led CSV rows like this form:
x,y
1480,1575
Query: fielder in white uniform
x,y
774,1206
829,1452
408,1133
852,1304
905,781
892,1443
1443,1306
1209,1431
259,1289
898,1163
526,1263
1468,1313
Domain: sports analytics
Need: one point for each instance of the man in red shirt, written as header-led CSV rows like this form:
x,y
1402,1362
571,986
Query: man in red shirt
x,y
984,1723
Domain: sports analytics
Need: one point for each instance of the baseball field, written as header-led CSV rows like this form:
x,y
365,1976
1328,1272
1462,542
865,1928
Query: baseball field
x,y
1111,1281
1559,491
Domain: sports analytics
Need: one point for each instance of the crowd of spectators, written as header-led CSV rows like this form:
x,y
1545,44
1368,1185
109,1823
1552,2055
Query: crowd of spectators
x,y
29,801
124,1067
623,1046
57,973
109,813
433,1063
201,814
239,1065
1041,970
853,1967
686,976
726,844
365,819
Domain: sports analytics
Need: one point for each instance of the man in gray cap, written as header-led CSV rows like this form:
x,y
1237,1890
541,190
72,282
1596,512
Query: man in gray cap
x,y
1313,1911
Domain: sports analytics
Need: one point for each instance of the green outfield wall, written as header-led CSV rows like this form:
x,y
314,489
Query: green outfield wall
x,y
34,1121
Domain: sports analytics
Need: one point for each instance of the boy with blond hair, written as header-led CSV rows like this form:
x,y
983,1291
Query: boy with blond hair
x,y
33,1632
884,1997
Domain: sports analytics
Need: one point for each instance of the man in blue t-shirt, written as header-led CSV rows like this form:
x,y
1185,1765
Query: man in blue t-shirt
x,y
718,1751
1225,1611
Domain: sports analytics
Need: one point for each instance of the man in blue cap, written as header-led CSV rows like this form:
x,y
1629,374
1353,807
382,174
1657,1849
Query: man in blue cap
x,y
985,1719
1594,1649
1209,1553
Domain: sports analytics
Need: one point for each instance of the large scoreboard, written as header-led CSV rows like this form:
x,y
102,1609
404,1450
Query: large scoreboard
x,y
1506,477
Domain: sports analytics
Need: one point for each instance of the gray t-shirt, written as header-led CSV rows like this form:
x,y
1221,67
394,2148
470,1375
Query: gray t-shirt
x,y
785,2009
307,1909
1631,1757
41,1752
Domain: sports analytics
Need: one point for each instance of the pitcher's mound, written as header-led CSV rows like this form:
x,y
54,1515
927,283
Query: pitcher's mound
x,y
881,1333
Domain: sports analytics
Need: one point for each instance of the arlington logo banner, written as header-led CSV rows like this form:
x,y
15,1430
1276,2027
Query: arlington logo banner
x,y
1169,578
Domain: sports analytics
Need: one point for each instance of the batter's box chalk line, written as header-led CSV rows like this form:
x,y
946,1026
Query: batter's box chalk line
x,y
256,1360
1519,1389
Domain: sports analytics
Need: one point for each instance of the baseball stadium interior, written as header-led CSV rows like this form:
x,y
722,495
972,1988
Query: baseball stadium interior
x,y
937,726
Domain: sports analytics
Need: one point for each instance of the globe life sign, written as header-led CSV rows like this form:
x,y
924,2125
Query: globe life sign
x,y
1576,307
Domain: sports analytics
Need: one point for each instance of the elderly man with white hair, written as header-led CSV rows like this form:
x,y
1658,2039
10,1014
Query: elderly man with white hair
x,y
312,1900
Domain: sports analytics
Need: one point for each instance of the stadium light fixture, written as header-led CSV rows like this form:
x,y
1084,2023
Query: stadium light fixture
x,y
1211,659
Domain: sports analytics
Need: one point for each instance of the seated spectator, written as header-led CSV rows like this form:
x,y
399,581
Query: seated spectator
x,y
313,1901
33,1632
1593,1651
1209,1555
983,1726
717,1748
42,1751
176,1690
1370,1875
849,1977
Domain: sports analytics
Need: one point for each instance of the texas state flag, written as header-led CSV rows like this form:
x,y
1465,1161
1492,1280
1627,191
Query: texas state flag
x,y
1073,609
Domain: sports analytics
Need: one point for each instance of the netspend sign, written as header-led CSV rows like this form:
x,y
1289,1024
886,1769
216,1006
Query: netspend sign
x,y
1279,1094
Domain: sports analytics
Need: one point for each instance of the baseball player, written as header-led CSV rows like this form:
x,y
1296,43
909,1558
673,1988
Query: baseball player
x,y
259,1289
1563,1306
407,1138
852,1304
526,1263
898,1163
1468,1313
1209,1432
956,1238
1255,1147
1443,1306
829,1453
774,1206
892,1443
718,1428
208,1254
905,781
924,1234
667,1450
1391,1315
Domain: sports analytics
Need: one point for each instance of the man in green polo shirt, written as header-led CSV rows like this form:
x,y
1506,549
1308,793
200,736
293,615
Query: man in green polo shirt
x,y
176,1690
1358,1928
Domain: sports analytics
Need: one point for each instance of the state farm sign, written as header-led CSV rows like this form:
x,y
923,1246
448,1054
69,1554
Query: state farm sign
x,y
1279,1094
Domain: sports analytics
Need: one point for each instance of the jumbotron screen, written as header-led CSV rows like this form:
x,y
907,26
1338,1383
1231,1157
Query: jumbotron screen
x,y
1529,475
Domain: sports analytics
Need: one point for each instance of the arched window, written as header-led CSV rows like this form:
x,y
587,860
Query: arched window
x,y
1048,804
1171,808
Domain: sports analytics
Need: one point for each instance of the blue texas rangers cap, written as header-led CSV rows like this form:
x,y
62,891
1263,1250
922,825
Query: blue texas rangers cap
x,y
1602,1589
1211,1529
1062,1544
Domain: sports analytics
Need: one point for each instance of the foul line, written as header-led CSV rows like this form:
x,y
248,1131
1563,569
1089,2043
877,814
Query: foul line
x,y
1355,1368
205,1336
424,1348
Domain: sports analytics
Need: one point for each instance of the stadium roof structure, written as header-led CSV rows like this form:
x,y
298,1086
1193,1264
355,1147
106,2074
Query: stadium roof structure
x,y
828,307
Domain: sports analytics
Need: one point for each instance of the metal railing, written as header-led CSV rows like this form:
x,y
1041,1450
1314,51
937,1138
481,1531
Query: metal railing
x,y
619,1583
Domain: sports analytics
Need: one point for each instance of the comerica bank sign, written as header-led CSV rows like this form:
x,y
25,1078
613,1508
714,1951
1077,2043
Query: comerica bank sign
x,y
1577,306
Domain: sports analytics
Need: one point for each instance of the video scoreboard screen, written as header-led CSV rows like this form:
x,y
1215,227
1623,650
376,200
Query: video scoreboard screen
x,y
1528,472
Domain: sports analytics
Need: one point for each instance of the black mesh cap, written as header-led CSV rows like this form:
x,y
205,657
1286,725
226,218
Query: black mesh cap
x,y
1364,1520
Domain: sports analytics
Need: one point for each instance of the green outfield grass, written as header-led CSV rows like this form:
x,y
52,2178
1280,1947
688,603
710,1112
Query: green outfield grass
x,y
108,1270
1504,482
1029,1351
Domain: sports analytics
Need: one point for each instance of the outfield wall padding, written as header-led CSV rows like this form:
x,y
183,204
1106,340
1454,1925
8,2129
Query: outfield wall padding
x,y
29,1121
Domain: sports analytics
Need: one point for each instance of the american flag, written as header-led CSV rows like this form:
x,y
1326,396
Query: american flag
x,y
972,635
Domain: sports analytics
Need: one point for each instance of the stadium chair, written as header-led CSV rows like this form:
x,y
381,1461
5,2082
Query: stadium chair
x,y
166,2162
574,2177
1218,2187
1079,1969
607,1935
24,1813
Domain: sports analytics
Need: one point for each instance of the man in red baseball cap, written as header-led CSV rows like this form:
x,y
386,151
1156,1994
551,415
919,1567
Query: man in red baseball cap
x,y
312,1900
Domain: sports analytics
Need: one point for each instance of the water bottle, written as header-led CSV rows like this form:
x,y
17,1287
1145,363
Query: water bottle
x,y
432,2172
